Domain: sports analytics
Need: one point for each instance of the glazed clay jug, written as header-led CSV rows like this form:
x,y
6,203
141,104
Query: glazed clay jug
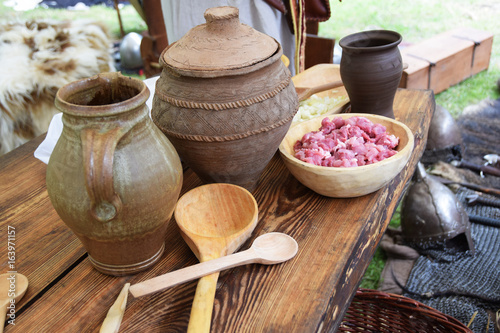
x,y
113,177
371,69
224,99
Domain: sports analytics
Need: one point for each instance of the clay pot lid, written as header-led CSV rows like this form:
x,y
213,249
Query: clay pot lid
x,y
221,43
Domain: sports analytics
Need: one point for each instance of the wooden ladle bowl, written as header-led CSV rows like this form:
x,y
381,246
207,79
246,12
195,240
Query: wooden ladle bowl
x,y
214,220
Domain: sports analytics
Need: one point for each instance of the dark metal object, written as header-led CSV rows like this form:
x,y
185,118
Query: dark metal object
x,y
130,51
444,142
432,214
443,131
485,220
489,170
477,199
487,190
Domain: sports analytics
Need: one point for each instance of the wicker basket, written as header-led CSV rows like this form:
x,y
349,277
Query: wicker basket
x,y
375,311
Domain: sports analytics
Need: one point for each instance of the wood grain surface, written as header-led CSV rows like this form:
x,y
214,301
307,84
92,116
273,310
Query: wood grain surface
x,y
45,248
310,293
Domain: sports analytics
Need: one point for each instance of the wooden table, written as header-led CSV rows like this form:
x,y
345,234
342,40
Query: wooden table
x,y
336,237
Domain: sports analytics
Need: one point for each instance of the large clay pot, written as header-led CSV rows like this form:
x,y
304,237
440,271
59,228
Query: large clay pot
x,y
113,177
224,99
371,69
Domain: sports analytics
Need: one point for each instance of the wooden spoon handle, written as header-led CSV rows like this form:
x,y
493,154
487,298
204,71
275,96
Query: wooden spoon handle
x,y
190,273
113,320
326,86
203,304
303,95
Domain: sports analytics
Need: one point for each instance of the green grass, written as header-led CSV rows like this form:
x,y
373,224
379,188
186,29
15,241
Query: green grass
x,y
371,278
470,91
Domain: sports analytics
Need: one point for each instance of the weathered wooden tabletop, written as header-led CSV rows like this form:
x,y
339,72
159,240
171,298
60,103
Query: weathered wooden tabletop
x,y
336,237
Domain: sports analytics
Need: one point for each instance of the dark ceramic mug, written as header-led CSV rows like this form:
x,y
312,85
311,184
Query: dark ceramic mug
x,y
371,69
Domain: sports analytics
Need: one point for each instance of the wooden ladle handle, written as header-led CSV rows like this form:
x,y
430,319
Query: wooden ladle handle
x,y
203,304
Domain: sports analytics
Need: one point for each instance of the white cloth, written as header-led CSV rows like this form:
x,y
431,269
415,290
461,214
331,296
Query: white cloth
x,y
44,150
182,15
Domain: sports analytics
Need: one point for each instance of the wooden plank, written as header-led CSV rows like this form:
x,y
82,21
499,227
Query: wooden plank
x,y
44,246
336,237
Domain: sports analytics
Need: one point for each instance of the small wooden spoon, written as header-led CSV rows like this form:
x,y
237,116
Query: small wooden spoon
x,y
305,93
214,220
12,286
271,248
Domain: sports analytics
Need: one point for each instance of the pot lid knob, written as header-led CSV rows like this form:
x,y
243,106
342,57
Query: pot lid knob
x,y
221,18
221,43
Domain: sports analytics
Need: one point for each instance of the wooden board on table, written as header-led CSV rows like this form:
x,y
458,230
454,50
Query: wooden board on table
x,y
321,74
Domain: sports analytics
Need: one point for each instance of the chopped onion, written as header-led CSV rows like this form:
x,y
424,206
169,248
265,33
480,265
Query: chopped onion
x,y
315,106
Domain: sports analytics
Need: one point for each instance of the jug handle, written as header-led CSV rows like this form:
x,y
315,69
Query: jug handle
x,y
98,151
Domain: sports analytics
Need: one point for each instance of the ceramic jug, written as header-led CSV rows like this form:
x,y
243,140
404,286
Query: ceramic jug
x,y
113,177
371,69
224,99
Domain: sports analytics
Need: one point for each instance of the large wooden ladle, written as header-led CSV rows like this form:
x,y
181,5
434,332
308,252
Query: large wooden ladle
x,y
13,286
214,220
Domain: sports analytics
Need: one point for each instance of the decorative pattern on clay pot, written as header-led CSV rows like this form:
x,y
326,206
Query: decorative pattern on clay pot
x,y
113,177
224,99
371,69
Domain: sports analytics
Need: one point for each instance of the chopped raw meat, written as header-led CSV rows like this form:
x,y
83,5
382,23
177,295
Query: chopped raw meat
x,y
351,142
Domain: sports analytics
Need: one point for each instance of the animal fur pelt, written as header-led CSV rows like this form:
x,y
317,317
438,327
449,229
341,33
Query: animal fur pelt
x,y
38,58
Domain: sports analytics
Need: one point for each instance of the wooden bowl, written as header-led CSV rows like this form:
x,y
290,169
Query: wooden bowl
x,y
347,182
